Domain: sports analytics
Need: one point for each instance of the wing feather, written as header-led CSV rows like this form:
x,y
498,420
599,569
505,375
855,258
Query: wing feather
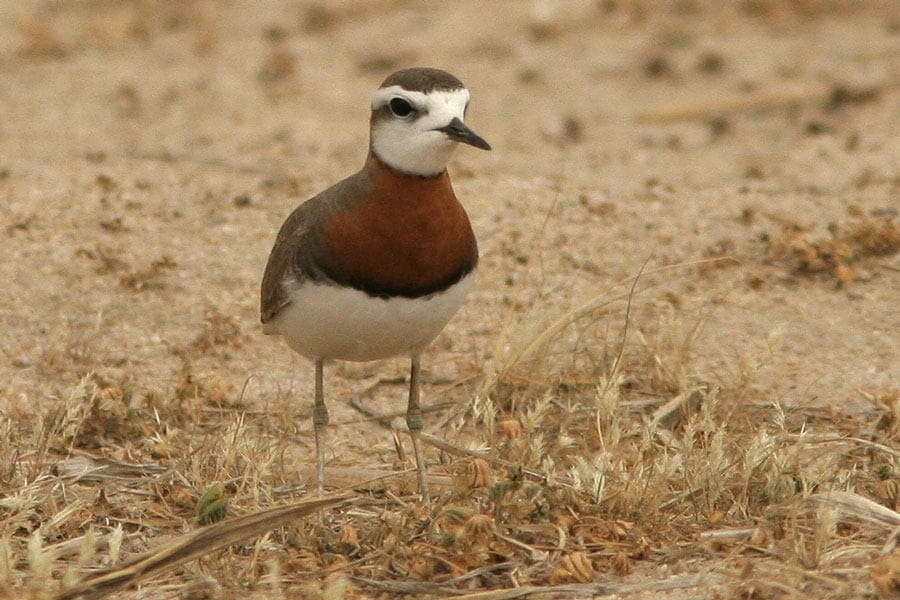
x,y
299,247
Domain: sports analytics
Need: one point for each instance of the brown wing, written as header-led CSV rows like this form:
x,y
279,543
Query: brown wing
x,y
299,247
273,296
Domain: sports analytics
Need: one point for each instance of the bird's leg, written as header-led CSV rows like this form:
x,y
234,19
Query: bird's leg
x,y
320,420
414,422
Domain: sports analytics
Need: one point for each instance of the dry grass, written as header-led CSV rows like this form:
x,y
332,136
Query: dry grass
x,y
581,456
839,255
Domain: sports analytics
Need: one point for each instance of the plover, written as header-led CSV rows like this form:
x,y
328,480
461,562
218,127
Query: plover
x,y
376,265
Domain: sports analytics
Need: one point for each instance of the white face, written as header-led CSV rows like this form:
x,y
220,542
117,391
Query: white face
x,y
410,142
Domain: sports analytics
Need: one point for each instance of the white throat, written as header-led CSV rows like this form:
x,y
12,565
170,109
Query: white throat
x,y
412,145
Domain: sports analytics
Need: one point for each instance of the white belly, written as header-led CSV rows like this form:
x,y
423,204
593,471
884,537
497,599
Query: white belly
x,y
331,322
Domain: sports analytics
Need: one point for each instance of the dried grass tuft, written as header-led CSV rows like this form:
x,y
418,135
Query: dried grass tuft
x,y
593,448
199,543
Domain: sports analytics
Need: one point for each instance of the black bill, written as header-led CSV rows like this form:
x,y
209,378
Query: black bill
x,y
460,132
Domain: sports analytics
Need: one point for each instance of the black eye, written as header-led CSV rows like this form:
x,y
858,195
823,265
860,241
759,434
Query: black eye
x,y
400,107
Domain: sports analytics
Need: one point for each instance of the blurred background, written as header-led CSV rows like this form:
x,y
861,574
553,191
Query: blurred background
x,y
741,156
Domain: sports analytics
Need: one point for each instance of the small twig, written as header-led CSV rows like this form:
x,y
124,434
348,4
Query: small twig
x,y
193,545
384,419
534,554
499,462
858,506
718,535
616,363
371,415
667,416
731,104
758,101
810,439
480,571
407,587
587,590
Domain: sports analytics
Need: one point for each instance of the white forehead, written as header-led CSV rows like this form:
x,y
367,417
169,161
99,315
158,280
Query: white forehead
x,y
437,103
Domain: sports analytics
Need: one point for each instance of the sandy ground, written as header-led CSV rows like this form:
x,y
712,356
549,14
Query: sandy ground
x,y
149,152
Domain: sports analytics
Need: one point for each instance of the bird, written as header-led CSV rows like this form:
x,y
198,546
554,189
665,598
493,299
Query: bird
x,y
376,265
